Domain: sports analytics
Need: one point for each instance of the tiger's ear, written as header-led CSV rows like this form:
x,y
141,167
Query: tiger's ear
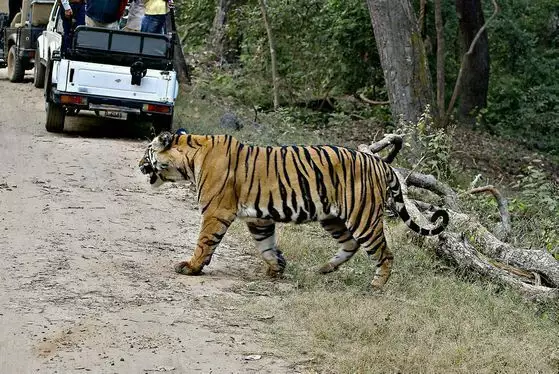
x,y
162,142
180,132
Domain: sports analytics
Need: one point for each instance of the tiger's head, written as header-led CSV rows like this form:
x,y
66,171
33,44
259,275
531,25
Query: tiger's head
x,y
166,161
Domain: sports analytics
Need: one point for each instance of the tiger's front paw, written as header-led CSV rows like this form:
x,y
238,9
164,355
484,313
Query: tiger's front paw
x,y
185,268
327,268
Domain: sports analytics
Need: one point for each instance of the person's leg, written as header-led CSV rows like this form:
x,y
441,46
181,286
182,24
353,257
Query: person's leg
x,y
67,27
147,23
90,21
161,22
14,8
135,16
79,13
153,23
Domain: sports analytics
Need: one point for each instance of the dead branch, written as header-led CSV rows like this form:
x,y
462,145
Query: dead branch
x,y
472,247
456,249
429,182
458,82
372,102
389,140
502,204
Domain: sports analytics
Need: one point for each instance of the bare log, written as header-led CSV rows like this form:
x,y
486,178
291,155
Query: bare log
x,y
472,247
389,140
372,102
456,249
533,260
429,182
502,205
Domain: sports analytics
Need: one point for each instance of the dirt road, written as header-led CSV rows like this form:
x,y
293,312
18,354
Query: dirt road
x,y
87,248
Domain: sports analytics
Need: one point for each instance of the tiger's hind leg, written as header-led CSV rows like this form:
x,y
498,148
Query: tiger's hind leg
x,y
337,228
264,234
376,247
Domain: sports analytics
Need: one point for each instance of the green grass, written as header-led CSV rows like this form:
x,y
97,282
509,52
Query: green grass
x,y
429,319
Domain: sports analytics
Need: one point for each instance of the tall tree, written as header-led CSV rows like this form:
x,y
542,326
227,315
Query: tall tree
x,y
179,61
475,79
272,44
219,42
402,56
440,59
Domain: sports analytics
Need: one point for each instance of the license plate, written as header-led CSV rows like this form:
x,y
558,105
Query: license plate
x,y
113,114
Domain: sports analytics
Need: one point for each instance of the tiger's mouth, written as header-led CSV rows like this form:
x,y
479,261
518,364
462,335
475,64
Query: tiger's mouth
x,y
147,168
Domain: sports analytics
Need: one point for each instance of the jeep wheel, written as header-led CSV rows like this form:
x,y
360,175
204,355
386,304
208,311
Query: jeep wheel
x,y
16,70
48,79
55,117
40,70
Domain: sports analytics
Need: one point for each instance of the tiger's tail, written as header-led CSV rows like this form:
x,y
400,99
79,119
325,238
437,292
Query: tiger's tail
x,y
395,188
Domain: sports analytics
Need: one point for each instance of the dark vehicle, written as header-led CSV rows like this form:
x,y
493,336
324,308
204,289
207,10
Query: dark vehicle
x,y
19,39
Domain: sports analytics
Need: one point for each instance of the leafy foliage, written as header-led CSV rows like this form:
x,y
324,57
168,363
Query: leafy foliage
x,y
537,207
194,20
523,97
323,48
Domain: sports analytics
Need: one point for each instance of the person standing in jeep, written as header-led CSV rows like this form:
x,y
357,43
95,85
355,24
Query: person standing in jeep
x,y
71,9
155,16
104,13
14,7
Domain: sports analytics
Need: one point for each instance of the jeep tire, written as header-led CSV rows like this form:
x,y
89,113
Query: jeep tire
x,y
16,70
55,117
40,70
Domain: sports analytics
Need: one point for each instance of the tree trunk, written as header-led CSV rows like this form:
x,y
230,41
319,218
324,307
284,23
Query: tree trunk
x,y
402,56
224,46
179,62
475,79
275,78
440,59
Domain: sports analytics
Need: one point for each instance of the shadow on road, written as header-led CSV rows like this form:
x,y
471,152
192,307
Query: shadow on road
x,y
89,125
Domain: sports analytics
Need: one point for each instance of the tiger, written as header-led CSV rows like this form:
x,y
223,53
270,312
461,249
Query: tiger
x,y
343,189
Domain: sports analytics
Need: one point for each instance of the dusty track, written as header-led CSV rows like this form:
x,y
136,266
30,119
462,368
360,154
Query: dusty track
x,y
87,248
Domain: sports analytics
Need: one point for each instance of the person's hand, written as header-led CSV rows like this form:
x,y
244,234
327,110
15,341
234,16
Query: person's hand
x,y
68,13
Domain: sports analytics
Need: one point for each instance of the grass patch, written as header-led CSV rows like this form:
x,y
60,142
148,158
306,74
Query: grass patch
x,y
427,320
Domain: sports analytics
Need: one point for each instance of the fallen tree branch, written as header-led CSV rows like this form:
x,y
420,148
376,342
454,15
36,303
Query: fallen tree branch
x,y
502,205
429,182
469,245
454,248
372,102
388,140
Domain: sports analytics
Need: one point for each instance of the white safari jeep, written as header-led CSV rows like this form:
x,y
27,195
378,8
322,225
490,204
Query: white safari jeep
x,y
112,72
